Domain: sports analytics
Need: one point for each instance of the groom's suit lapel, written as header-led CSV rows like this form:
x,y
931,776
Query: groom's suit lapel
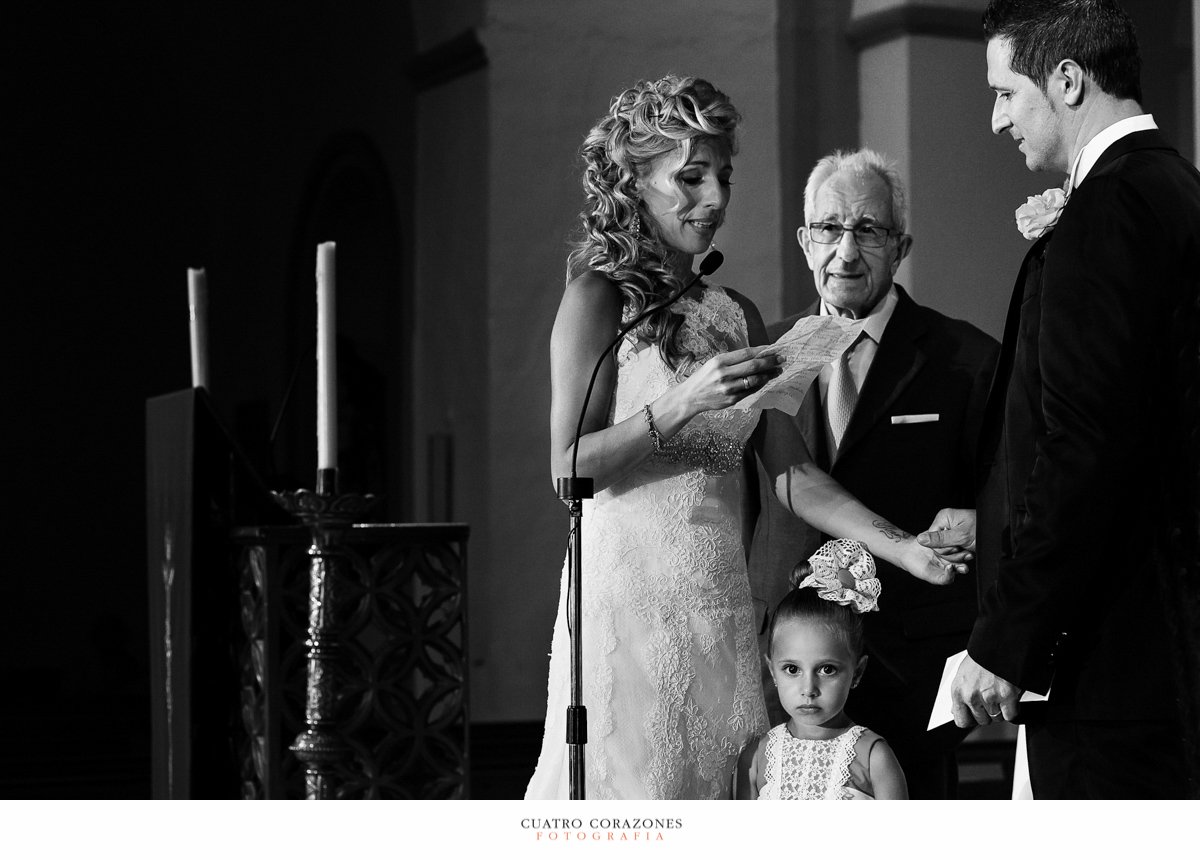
x,y
1028,282
992,462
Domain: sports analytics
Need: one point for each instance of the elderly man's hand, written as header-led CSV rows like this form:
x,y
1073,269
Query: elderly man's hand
x,y
978,696
951,534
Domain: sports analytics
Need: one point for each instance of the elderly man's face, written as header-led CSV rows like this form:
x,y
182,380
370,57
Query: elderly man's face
x,y
849,277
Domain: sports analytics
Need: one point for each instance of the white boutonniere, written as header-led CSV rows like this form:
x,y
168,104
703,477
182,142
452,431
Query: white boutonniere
x,y
1039,214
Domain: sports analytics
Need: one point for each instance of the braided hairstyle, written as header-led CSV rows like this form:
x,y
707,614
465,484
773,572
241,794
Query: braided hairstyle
x,y
646,121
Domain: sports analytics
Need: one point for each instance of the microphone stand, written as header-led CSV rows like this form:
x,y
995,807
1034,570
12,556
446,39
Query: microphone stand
x,y
572,491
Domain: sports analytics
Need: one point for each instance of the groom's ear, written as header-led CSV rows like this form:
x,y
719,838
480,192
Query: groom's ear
x,y
1067,82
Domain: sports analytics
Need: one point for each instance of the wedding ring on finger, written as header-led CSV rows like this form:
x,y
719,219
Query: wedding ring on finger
x,y
746,382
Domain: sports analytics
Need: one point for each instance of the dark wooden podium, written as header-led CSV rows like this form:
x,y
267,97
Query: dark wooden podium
x,y
228,589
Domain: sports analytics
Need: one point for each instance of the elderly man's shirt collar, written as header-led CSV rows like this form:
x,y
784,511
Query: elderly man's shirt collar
x,y
876,321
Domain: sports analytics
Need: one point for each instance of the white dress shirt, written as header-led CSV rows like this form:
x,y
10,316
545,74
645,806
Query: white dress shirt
x,y
1094,148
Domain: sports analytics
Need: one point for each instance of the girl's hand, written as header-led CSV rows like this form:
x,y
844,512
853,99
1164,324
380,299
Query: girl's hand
x,y
725,379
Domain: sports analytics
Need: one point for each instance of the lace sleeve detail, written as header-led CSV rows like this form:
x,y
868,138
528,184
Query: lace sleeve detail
x,y
772,765
717,324
840,777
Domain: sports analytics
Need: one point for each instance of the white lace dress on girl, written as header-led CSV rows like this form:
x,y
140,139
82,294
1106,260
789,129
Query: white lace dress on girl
x,y
670,658
805,769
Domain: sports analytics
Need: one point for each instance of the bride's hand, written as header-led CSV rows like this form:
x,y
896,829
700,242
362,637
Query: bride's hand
x,y
725,379
923,563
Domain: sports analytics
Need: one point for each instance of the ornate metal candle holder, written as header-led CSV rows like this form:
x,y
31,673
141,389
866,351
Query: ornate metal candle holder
x,y
327,513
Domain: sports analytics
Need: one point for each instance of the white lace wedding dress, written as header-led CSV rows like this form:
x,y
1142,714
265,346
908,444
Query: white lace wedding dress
x,y
670,658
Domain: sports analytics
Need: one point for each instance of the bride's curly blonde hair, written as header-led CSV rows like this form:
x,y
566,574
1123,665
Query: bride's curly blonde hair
x,y
644,122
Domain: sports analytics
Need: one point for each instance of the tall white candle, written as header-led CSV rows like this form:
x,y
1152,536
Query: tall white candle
x,y
198,325
327,441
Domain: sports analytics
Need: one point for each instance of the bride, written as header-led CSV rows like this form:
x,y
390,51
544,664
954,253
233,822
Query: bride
x,y
671,676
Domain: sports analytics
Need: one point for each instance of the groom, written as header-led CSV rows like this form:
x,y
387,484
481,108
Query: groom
x,y
1083,513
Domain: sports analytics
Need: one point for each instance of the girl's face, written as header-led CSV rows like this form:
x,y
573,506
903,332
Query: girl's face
x,y
814,669
687,199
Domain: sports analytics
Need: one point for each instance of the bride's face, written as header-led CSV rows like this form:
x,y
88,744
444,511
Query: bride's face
x,y
686,199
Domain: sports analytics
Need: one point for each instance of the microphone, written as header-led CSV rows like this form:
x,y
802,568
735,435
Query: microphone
x,y
708,265
711,262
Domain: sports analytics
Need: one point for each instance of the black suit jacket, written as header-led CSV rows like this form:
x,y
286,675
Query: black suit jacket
x,y
926,363
1082,444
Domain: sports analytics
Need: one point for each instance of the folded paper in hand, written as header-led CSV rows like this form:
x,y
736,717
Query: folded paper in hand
x,y
943,705
806,347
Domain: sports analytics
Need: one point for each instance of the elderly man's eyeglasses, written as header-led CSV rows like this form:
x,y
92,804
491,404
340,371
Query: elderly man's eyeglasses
x,y
865,235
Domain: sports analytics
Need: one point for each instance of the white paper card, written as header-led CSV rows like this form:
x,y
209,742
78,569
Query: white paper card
x,y
1022,786
943,710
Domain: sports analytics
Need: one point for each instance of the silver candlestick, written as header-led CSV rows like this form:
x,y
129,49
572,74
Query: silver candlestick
x,y
328,514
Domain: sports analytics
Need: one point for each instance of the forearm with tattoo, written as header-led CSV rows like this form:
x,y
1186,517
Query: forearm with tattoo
x,y
891,532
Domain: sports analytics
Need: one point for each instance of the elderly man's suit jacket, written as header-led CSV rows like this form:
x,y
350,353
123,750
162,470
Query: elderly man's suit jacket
x,y
926,364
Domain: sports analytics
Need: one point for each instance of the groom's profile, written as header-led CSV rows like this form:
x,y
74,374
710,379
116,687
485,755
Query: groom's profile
x,y
1088,487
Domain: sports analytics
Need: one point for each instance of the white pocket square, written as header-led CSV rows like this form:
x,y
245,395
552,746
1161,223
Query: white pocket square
x,y
915,419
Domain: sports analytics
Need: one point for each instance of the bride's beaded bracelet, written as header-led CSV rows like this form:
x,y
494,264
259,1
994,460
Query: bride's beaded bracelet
x,y
711,452
655,437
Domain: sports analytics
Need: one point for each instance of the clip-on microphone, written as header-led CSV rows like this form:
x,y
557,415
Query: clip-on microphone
x,y
573,491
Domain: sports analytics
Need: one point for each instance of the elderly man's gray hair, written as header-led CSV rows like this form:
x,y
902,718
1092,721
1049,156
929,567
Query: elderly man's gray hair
x,y
860,162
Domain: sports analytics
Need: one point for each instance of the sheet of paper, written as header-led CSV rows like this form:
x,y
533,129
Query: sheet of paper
x,y
806,347
943,711
1022,785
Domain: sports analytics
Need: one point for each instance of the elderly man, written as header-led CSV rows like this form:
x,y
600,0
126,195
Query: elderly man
x,y
895,421
1088,512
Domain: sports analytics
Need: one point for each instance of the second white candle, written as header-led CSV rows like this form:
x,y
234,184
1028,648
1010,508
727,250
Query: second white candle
x,y
327,424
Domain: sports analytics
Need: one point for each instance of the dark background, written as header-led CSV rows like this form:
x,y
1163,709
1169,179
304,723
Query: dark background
x,y
141,139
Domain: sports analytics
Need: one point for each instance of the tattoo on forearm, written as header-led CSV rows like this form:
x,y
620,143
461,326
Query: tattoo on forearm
x,y
890,532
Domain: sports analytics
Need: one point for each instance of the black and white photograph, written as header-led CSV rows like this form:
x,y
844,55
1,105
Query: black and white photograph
x,y
515,408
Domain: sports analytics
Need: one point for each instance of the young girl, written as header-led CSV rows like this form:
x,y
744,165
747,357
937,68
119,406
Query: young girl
x,y
815,650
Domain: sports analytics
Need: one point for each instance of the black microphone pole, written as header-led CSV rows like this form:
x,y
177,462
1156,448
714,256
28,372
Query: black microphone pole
x,y
573,491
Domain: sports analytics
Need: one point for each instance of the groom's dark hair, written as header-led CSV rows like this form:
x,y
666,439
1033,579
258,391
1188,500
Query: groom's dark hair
x,y
1096,34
